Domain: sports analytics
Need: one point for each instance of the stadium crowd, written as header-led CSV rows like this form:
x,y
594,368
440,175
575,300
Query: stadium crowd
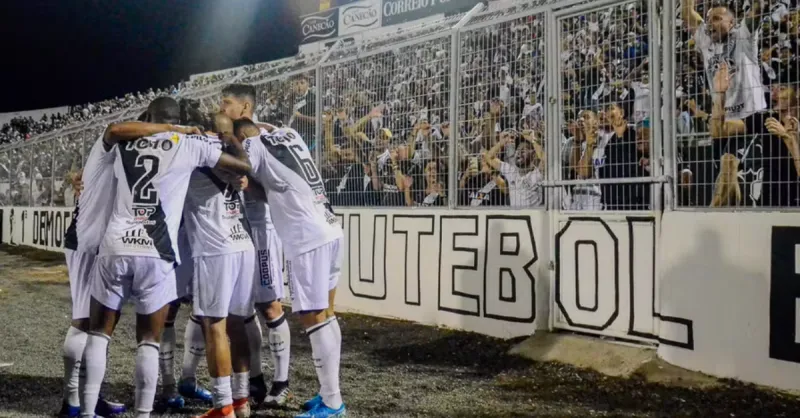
x,y
386,112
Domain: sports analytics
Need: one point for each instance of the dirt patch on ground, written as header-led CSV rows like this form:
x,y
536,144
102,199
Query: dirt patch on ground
x,y
389,369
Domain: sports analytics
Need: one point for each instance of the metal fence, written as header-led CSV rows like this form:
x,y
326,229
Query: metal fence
x,y
546,104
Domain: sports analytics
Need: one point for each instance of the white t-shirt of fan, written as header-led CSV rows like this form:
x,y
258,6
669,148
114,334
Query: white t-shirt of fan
x,y
745,94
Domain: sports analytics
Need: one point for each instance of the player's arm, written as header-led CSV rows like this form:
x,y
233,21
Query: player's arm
x,y
128,131
237,162
689,14
255,189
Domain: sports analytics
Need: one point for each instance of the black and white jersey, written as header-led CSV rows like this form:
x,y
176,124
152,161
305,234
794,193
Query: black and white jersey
x,y
257,211
300,210
95,203
152,179
740,52
213,214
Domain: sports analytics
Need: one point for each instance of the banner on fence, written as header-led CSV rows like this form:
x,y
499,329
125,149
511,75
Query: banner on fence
x,y
39,227
319,26
359,16
401,11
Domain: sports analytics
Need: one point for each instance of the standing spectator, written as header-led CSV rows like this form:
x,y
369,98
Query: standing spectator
x,y
525,173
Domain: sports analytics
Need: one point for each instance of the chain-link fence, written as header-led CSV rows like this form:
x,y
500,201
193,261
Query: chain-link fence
x,y
736,77
472,112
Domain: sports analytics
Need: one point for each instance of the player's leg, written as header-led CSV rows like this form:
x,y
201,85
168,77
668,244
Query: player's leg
x,y
241,305
79,266
212,295
110,286
310,277
153,288
268,294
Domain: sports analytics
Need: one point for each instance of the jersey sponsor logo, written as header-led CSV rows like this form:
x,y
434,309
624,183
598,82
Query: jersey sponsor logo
x,y
151,143
264,268
141,215
238,233
137,238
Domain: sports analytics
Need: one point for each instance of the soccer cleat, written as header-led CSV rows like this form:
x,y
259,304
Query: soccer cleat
x,y
69,411
258,389
175,401
241,407
224,412
188,388
107,408
312,403
278,394
323,411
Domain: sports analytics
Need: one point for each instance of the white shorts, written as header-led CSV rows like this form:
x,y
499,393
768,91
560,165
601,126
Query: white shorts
x,y
223,284
313,274
79,266
268,282
185,271
150,281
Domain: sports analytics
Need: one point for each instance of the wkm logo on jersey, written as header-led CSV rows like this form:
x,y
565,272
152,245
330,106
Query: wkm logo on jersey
x,y
137,238
141,215
238,234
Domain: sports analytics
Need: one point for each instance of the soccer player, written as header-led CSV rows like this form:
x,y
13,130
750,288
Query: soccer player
x,y
82,240
224,260
238,101
313,242
137,256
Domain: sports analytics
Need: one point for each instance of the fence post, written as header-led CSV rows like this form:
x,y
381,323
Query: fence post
x,y
669,142
657,104
320,135
455,129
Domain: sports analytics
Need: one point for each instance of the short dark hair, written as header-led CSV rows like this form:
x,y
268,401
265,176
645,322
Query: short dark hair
x,y
241,124
164,110
240,91
192,116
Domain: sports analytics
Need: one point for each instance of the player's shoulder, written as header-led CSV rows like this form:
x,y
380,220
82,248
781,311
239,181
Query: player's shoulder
x,y
251,143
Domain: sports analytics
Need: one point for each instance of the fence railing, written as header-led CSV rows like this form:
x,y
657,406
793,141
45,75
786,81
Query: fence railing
x,y
539,104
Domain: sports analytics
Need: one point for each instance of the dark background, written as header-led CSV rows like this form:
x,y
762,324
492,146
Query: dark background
x,y
68,52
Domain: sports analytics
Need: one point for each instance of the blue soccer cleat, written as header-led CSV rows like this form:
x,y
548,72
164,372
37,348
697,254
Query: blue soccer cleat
x,y
107,408
175,401
69,411
312,403
323,411
191,390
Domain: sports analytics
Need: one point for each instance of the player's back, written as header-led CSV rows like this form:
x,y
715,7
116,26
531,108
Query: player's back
x,y
95,203
213,213
300,211
152,179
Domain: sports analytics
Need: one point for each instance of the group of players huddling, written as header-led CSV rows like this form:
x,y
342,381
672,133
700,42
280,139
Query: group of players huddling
x,y
173,207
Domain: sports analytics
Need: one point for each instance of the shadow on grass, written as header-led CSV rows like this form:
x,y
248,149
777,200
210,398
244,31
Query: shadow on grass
x,y
49,258
41,396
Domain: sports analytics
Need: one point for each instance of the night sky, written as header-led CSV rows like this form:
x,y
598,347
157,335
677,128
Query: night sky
x,y
67,52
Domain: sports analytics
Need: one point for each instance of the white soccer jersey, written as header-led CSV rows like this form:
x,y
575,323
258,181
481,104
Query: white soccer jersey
x,y
213,214
152,179
95,203
282,163
745,95
257,211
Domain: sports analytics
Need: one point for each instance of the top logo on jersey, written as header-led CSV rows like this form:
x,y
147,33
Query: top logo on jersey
x,y
141,215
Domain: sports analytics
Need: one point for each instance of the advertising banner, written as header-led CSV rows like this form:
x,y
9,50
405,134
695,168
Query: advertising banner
x,y
319,26
359,16
401,11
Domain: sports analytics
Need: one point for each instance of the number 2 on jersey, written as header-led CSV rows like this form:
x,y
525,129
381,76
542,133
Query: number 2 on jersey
x,y
144,193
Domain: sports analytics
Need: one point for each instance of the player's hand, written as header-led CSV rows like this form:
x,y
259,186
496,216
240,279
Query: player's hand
x,y
297,114
393,155
242,184
187,130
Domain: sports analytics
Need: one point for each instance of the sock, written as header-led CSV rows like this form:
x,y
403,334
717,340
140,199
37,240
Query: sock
x,y
256,340
221,391
240,385
336,330
194,346
94,365
326,351
146,377
166,359
280,347
74,343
